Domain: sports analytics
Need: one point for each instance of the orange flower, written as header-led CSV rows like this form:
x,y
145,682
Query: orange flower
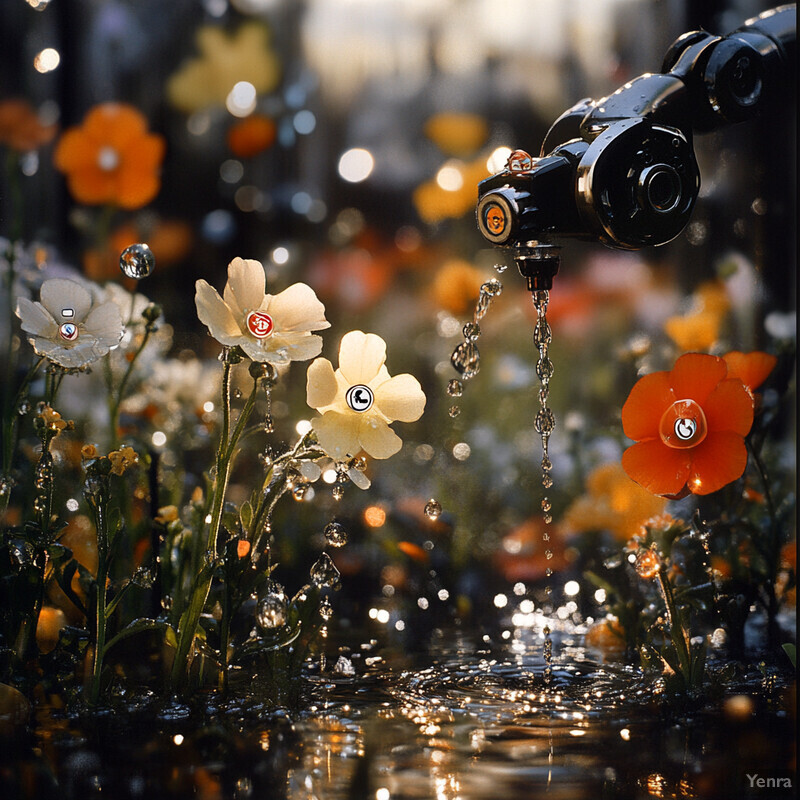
x,y
111,158
751,369
689,426
698,330
457,286
20,127
612,502
250,136
457,134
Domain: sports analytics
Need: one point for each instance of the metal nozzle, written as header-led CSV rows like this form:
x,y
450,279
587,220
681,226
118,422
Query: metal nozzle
x,y
537,263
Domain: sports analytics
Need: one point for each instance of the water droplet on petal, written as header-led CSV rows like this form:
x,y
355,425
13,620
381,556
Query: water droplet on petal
x,y
137,261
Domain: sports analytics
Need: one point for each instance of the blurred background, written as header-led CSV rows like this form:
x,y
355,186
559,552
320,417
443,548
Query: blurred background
x,y
340,142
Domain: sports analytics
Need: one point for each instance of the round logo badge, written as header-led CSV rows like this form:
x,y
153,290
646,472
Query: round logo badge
x,y
68,331
259,324
359,397
685,428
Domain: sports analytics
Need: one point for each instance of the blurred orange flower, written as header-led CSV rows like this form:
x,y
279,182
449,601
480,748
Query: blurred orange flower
x,y
522,555
457,285
752,369
457,133
451,193
251,136
698,329
689,426
614,503
20,126
111,158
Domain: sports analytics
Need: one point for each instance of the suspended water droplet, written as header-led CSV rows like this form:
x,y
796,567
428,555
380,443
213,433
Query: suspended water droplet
x,y
324,572
471,331
547,481
271,609
492,287
337,493
454,411
23,407
166,602
433,509
268,424
335,534
137,261
501,268
545,421
544,369
143,577
466,359
360,463
300,491
546,504
325,609
455,388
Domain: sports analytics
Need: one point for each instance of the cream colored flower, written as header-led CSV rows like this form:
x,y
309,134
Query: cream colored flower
x,y
245,55
272,328
359,400
67,327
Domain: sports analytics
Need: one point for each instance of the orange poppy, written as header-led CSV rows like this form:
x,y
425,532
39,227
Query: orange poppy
x,y
751,369
251,136
21,128
689,426
111,158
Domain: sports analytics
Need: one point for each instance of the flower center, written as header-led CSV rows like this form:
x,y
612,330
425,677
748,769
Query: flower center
x,y
68,331
260,324
107,159
683,425
359,397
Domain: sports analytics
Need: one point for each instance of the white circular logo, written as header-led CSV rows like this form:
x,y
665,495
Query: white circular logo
x,y
685,428
68,331
359,397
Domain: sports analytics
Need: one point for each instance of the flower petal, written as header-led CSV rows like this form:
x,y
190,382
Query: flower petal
x,y
246,285
752,369
377,438
36,319
729,408
642,412
338,434
297,309
401,398
66,300
299,346
361,355
320,383
656,467
214,313
105,324
719,460
695,375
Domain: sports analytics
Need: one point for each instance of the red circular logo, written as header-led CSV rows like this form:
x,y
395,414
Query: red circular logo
x,y
68,331
260,324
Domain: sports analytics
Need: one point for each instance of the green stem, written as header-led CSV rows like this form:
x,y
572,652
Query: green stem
x,y
202,583
677,632
101,613
115,400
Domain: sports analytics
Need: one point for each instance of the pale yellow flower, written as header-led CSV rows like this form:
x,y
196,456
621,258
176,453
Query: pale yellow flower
x,y
224,61
67,327
272,328
359,400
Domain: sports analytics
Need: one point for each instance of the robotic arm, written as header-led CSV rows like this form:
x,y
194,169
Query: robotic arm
x,y
622,169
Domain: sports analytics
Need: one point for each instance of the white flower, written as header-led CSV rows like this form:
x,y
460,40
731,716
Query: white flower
x,y
67,327
360,399
272,328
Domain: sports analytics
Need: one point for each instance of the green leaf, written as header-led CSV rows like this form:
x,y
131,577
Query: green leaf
x,y
246,515
791,651
137,626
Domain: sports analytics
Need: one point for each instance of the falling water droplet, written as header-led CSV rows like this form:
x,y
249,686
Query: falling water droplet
x,y
433,509
501,268
137,261
337,493
492,287
454,411
466,359
325,609
455,388
335,534
271,609
471,331
323,572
